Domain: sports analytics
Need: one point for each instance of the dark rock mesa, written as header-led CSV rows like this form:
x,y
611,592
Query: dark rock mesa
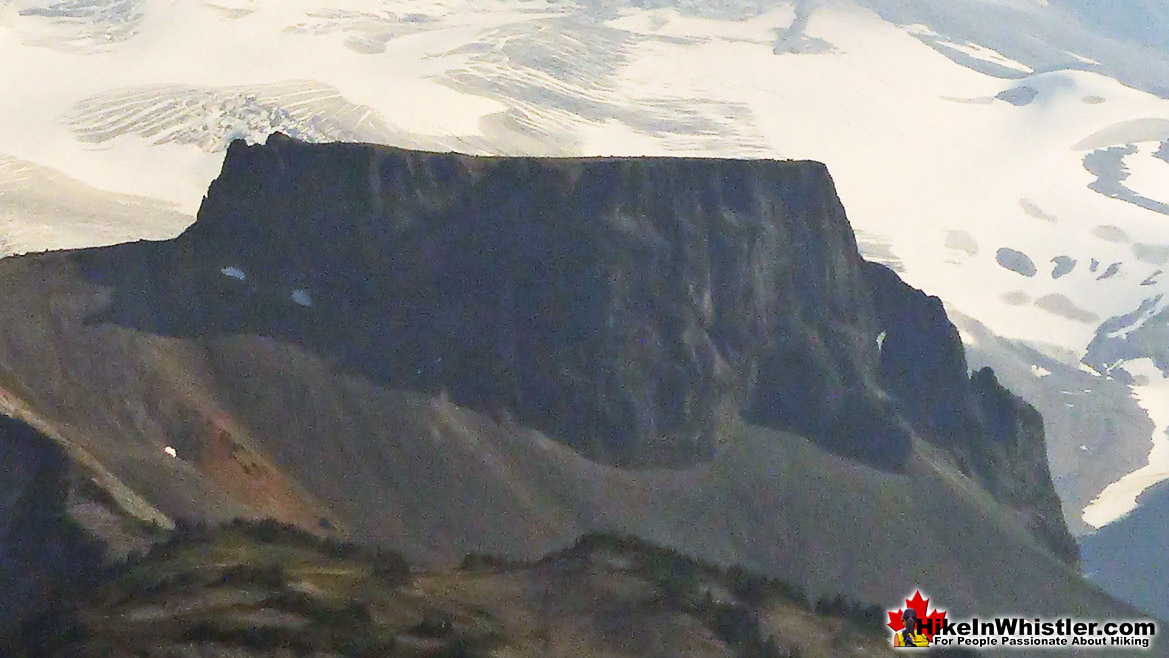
x,y
630,307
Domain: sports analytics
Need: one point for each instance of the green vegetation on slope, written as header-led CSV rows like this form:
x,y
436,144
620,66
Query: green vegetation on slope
x,y
258,586
263,589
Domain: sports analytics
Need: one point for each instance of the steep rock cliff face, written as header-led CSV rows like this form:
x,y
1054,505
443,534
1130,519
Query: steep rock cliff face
x,y
1010,457
629,306
995,436
922,361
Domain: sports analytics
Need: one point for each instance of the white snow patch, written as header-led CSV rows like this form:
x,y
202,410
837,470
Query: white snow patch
x,y
1120,497
169,450
967,338
1088,369
1039,371
301,296
234,272
1085,60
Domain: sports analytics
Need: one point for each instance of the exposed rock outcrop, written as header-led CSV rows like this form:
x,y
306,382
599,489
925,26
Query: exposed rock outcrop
x,y
922,361
995,436
1009,456
628,306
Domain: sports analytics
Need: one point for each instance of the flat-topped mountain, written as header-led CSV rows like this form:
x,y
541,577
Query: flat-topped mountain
x,y
447,354
630,307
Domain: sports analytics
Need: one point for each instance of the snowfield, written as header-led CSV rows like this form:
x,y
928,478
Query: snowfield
x,y
1009,156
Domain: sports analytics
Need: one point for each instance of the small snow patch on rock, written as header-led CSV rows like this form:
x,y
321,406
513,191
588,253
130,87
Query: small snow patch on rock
x,y
301,296
1088,369
234,272
966,338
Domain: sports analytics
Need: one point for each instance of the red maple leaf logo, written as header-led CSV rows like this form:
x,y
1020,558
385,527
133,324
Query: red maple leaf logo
x,y
919,605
